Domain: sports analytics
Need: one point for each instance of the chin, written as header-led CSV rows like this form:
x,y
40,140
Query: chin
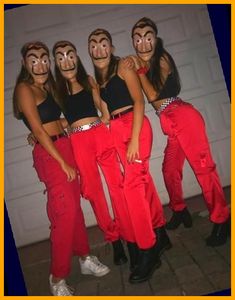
x,y
100,64
41,81
145,57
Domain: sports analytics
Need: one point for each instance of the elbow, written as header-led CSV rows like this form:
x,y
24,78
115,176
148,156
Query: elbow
x,y
38,132
152,97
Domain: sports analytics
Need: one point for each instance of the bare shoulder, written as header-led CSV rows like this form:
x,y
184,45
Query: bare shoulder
x,y
24,92
123,69
23,87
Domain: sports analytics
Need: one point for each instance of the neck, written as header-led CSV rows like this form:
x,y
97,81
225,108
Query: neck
x,y
74,86
39,86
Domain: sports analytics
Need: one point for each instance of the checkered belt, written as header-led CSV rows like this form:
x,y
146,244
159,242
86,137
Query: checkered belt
x,y
85,127
165,104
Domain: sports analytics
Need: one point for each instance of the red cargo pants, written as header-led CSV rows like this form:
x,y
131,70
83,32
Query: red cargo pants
x,y
140,192
68,232
92,149
187,138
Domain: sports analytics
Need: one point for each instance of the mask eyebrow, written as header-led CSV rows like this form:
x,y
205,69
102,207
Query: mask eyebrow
x,y
104,39
67,53
137,34
92,40
149,31
32,54
99,41
43,54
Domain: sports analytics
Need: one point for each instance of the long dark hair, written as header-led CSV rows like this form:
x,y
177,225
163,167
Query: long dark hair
x,y
154,73
24,75
63,85
100,78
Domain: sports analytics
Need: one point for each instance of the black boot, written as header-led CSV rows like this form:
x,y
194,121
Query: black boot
x,y
133,254
148,261
163,241
219,234
179,217
119,256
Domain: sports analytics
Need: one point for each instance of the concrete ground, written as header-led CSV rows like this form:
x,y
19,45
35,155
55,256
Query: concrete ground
x,y
189,268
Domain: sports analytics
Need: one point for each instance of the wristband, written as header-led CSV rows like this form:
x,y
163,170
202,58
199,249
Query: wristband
x,y
142,70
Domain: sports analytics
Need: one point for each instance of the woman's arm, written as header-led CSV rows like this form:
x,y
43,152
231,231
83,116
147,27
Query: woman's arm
x,y
64,123
27,105
134,87
150,91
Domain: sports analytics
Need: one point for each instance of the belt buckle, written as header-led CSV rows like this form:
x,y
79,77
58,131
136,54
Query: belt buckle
x,y
86,127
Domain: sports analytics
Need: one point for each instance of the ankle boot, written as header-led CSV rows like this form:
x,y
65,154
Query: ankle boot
x,y
219,234
119,256
179,217
133,254
163,241
148,261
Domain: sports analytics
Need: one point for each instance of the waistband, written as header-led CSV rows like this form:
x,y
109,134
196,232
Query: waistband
x,y
164,105
85,127
56,137
121,113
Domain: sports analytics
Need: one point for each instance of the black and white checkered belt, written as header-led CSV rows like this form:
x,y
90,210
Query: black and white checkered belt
x,y
85,127
164,105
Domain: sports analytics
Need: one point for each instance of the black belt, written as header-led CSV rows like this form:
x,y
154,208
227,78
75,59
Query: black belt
x,y
56,137
121,113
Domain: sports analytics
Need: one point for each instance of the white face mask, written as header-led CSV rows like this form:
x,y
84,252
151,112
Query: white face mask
x,y
66,60
37,63
100,50
144,41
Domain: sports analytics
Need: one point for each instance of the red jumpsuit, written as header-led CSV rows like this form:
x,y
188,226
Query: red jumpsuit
x,y
187,139
68,232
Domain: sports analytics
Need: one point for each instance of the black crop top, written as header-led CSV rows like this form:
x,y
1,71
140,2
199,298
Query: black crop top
x,y
48,110
78,106
116,94
170,88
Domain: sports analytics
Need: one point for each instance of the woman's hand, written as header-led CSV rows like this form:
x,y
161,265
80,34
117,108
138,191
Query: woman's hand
x,y
104,120
31,139
128,62
69,171
133,151
137,62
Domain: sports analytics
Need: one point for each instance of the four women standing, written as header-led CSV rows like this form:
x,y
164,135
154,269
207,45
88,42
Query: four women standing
x,y
138,213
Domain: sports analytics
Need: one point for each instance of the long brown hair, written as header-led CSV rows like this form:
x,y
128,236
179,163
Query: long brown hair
x,y
100,78
24,75
81,76
154,73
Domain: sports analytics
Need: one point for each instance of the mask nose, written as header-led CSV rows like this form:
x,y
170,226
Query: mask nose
x,y
41,68
99,52
143,46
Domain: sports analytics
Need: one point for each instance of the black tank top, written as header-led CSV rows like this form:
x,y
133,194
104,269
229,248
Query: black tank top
x,y
48,111
78,106
116,94
170,88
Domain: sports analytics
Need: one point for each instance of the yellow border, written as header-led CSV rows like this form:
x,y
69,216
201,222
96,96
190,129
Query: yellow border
x,y
1,145
2,128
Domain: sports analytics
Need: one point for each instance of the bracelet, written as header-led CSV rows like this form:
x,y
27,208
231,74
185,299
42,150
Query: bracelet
x,y
142,70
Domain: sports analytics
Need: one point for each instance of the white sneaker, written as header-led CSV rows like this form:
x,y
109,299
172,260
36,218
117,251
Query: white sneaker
x,y
91,265
60,288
